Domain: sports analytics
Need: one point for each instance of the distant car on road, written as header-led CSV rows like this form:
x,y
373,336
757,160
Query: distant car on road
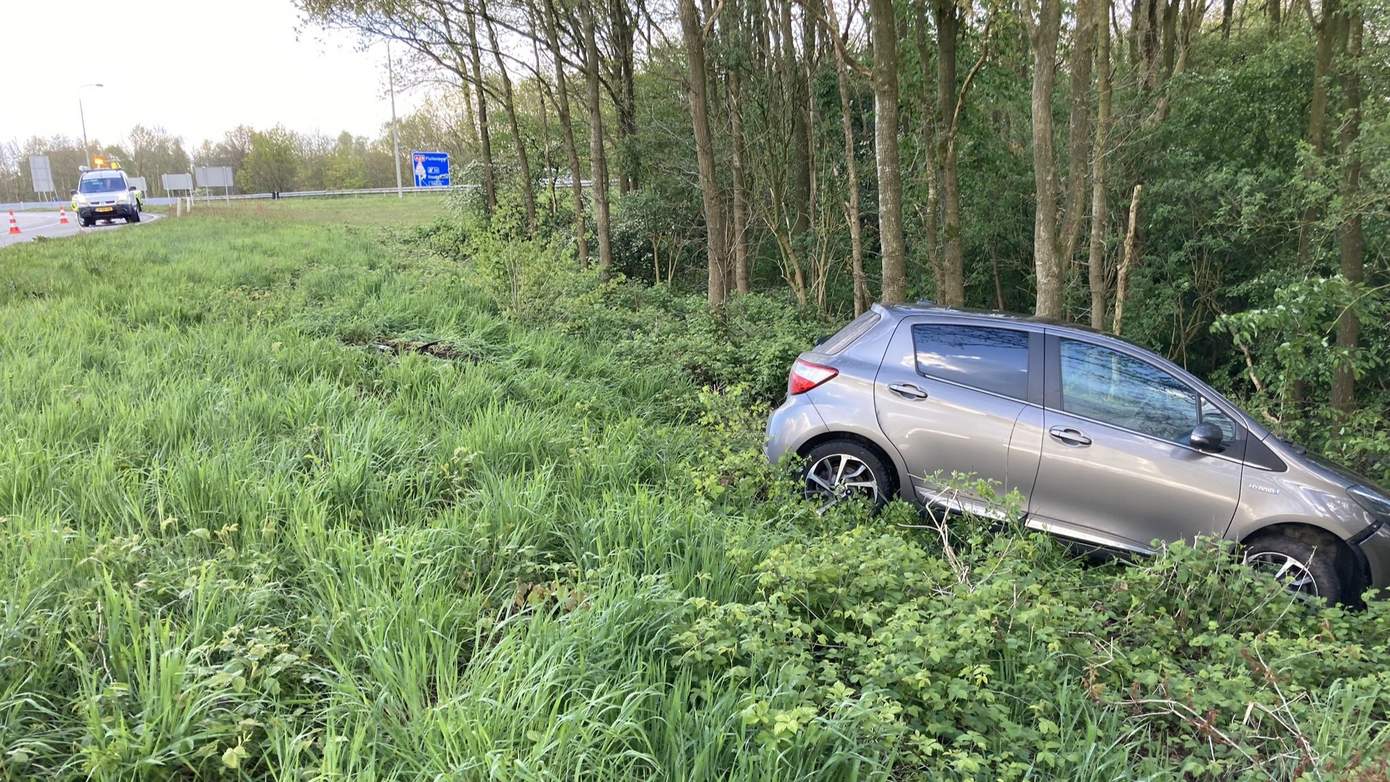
x,y
1108,444
105,194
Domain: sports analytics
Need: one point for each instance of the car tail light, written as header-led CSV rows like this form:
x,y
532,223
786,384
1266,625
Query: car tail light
x,y
806,376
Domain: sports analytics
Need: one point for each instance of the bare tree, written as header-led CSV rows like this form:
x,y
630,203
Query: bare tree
x,y
1326,26
528,193
862,297
1127,260
696,84
1097,272
951,97
794,88
1043,19
740,205
484,136
1078,130
551,22
890,182
598,162
1350,237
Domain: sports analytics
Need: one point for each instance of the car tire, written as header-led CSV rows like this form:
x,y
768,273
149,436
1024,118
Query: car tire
x,y
133,216
841,470
1306,565
85,222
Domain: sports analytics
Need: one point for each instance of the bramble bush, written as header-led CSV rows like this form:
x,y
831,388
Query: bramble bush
x,y
974,649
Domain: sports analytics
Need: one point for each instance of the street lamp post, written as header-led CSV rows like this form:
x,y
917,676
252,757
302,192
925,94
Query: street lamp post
x,y
82,113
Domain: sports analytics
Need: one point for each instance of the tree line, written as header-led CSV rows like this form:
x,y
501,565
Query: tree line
x,y
1150,167
262,159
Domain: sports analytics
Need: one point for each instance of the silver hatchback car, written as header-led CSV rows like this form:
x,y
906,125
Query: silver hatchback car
x,y
1107,444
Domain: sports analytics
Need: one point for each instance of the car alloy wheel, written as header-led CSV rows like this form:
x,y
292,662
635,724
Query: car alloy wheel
x,y
1289,571
840,476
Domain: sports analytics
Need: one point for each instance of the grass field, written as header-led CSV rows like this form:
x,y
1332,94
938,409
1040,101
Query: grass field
x,y
285,496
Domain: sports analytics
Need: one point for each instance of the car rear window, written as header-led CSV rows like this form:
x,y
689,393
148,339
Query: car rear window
x,y
990,359
847,335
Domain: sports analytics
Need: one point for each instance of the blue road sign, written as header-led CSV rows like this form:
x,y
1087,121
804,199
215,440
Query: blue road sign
x,y
431,168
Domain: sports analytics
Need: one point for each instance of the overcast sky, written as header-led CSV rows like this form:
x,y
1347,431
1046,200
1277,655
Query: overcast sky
x,y
195,67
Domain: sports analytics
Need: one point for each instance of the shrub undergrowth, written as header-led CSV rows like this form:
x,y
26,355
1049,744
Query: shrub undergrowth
x,y
239,539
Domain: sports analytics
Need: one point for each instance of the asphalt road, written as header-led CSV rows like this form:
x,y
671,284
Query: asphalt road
x,y
32,224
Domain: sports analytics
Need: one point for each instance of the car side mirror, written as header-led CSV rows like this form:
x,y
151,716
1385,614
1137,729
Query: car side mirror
x,y
1206,436
72,192
131,188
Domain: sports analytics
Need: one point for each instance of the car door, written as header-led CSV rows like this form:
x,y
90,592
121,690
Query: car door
x,y
1117,468
954,398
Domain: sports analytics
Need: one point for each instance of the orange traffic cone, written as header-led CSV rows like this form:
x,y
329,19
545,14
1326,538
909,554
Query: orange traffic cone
x,y
14,226
62,216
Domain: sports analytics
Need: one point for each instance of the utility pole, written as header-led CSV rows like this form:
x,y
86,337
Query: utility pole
x,y
395,137
82,114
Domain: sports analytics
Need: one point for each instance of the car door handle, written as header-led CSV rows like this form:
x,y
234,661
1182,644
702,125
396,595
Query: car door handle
x,y
1069,436
907,391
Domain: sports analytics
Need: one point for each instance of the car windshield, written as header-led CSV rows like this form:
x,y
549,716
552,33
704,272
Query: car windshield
x,y
101,184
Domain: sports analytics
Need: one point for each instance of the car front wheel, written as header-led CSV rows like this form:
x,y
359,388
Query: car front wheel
x,y
133,216
1304,566
842,470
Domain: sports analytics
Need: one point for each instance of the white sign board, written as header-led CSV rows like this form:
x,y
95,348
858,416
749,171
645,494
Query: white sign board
x,y
138,182
42,174
213,176
173,182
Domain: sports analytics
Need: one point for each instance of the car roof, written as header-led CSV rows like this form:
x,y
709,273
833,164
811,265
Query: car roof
x,y
926,307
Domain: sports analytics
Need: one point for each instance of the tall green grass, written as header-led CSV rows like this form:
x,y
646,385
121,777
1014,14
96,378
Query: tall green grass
x,y
238,540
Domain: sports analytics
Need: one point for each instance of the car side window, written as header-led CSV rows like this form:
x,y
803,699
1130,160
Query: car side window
x,y
983,357
1114,388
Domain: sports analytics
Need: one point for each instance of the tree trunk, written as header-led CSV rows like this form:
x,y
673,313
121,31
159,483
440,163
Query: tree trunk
x,y
547,164
1351,239
862,297
1317,119
948,17
523,162
466,87
931,142
562,103
1170,37
1078,130
623,31
1127,261
598,161
740,210
1043,19
1228,8
806,75
484,136
1097,271
890,183
800,173
1145,43
696,83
